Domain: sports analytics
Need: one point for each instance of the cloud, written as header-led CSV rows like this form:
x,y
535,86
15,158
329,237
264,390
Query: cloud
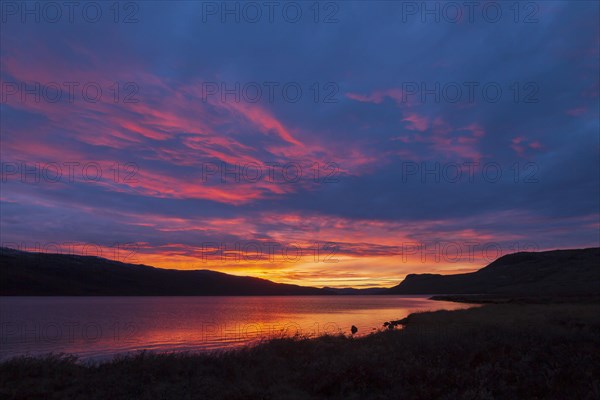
x,y
391,157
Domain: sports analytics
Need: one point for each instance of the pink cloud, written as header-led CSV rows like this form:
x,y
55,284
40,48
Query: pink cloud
x,y
443,138
418,122
520,145
377,96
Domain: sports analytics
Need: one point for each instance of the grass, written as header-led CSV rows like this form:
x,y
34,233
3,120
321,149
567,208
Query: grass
x,y
497,351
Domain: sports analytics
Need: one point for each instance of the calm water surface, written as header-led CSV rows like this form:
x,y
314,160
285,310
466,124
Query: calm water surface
x,y
100,327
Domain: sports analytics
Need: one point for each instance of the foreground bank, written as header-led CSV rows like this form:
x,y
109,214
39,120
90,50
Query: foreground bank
x,y
501,351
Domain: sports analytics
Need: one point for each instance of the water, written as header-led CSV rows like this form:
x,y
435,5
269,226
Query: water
x,y
101,327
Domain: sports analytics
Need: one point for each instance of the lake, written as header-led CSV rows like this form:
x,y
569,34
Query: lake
x,y
101,327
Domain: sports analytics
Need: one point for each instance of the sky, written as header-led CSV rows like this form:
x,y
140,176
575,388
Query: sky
x,y
317,143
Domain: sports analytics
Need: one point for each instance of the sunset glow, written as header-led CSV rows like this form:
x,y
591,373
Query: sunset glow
x,y
151,146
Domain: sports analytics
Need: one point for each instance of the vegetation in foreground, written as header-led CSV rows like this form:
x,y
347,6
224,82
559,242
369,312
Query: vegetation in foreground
x,y
497,351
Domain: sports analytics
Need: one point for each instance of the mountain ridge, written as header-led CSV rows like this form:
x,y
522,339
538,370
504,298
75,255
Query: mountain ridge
x,y
44,274
572,271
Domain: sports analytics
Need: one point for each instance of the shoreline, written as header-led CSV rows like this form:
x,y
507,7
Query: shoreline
x,y
202,333
486,298
490,351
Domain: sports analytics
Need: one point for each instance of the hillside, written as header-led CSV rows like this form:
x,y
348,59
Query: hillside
x,y
40,274
549,272
565,272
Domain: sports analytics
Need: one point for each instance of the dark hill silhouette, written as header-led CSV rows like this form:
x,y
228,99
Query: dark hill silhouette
x,y
353,291
566,272
555,272
41,274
